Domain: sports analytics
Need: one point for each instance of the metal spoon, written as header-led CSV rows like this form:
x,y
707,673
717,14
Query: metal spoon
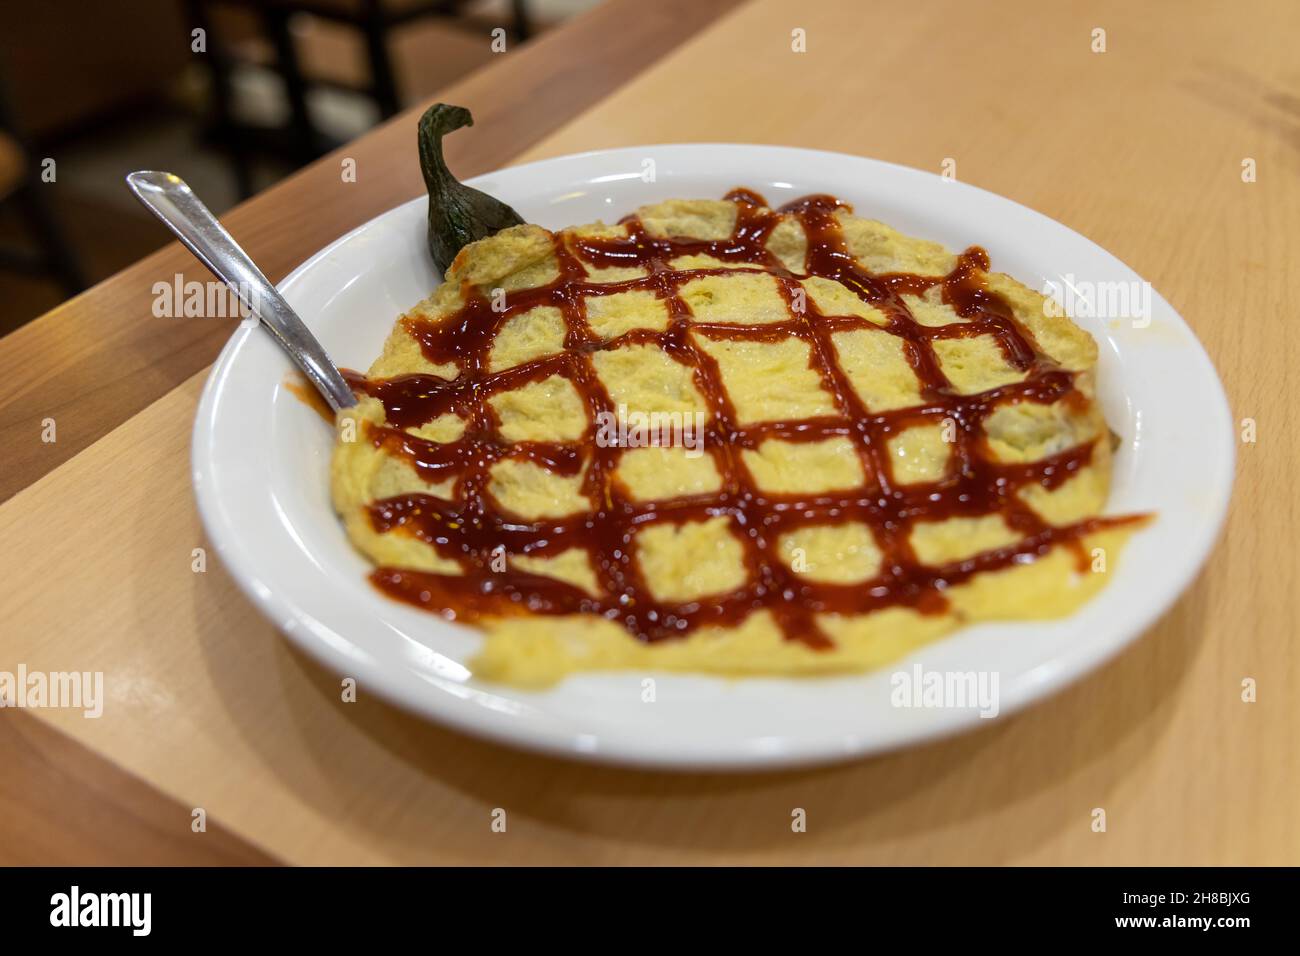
x,y
174,203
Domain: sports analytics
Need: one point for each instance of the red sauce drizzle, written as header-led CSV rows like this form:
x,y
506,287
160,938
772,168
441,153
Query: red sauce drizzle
x,y
473,529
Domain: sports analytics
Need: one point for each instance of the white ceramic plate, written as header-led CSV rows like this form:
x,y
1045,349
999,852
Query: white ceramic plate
x,y
261,456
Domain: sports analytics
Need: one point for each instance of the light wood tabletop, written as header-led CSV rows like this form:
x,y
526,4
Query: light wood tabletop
x,y
1175,147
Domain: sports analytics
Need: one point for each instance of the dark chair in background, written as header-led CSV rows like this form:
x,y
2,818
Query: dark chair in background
x,y
103,88
48,251
72,73
301,141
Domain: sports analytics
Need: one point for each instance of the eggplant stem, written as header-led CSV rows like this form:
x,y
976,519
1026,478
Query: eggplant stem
x,y
458,214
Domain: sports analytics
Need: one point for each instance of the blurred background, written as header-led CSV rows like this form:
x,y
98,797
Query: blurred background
x,y
91,89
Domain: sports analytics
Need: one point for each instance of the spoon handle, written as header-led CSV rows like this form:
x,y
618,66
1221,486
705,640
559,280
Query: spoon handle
x,y
174,203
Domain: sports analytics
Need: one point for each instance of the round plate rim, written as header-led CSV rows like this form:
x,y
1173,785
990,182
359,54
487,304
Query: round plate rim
x,y
290,618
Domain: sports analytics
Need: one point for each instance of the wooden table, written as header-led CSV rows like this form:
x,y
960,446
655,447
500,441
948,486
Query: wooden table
x,y
1140,147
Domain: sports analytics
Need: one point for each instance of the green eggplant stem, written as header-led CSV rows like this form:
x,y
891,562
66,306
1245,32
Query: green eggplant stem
x,y
458,214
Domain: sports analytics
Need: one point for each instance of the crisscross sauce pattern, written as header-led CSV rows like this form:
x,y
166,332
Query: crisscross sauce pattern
x,y
471,528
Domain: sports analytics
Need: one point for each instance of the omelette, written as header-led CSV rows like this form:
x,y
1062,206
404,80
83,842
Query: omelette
x,y
722,438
